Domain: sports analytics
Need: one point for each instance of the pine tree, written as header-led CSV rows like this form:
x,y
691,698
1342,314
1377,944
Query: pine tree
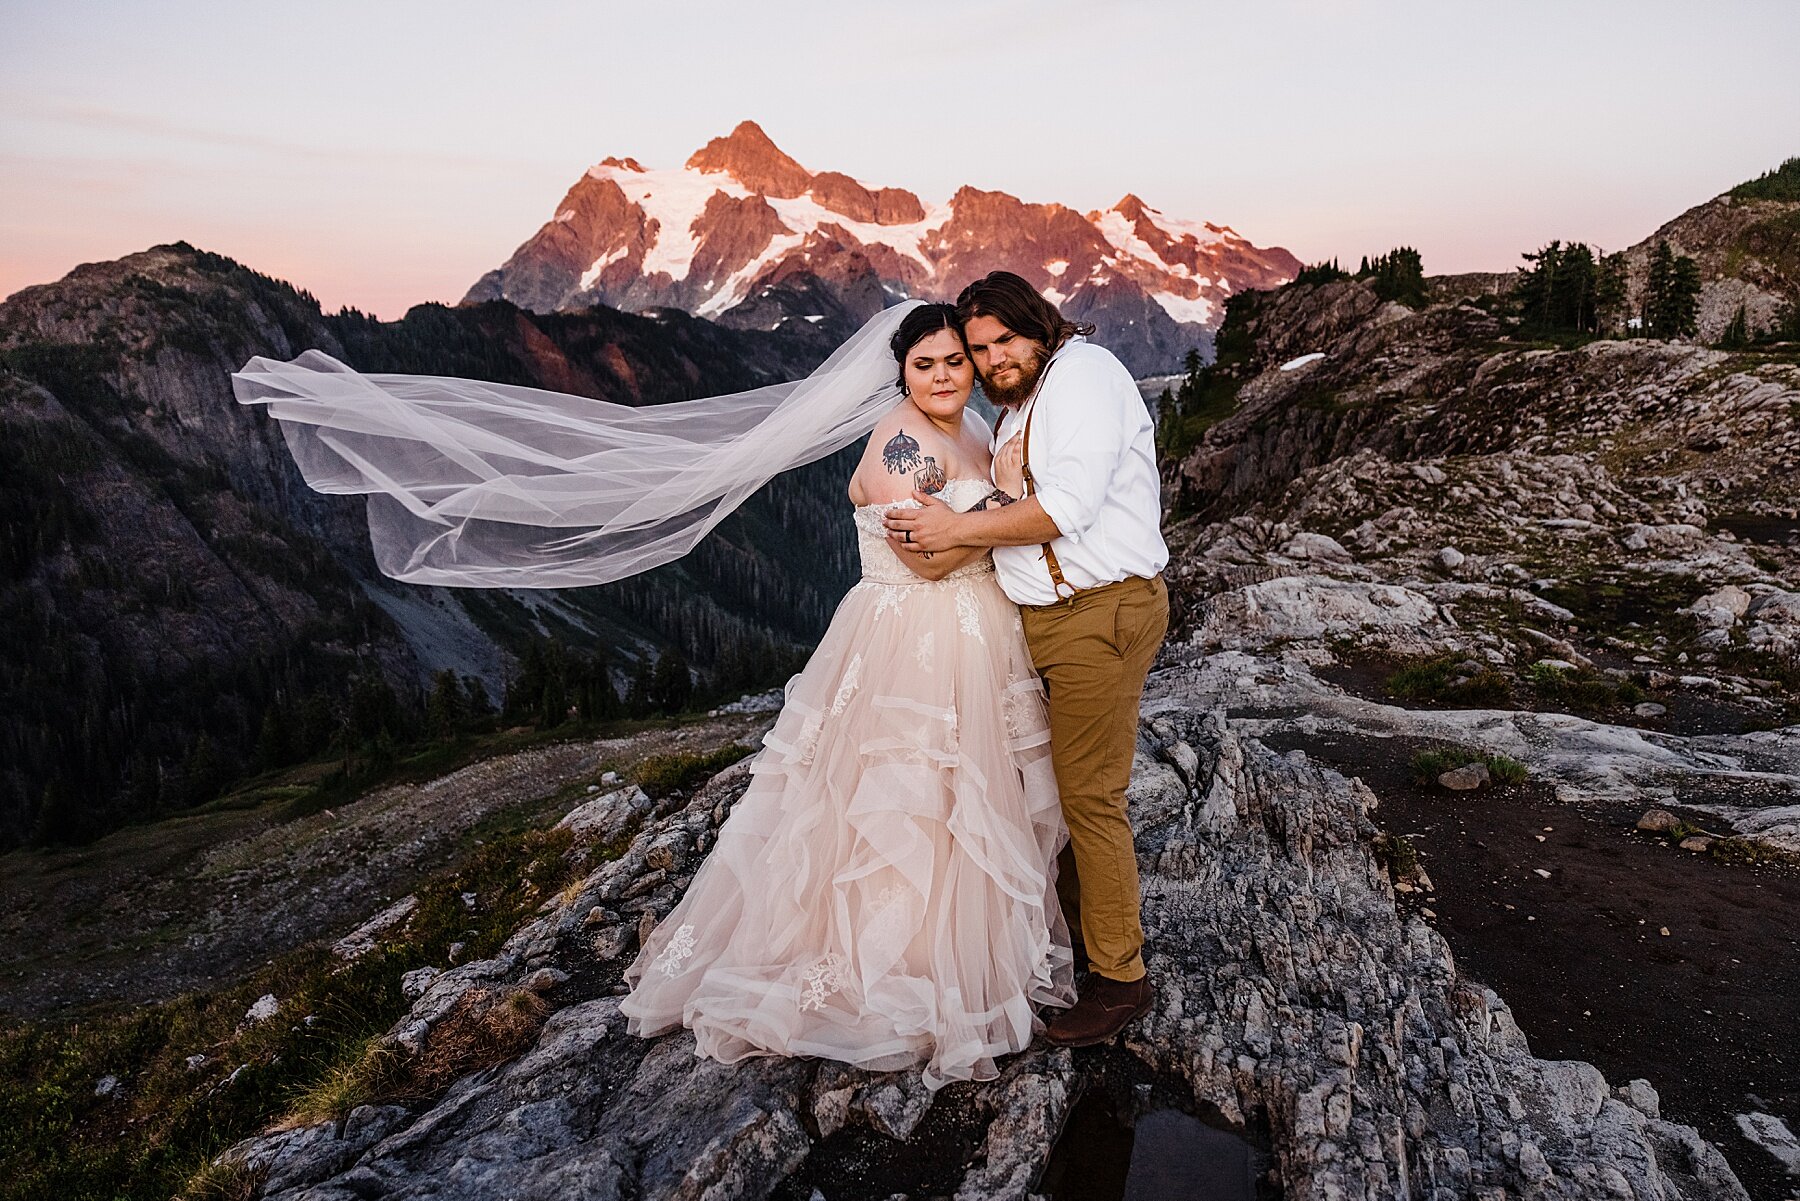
x,y
672,684
1609,290
1672,295
275,742
476,695
1682,312
637,697
447,710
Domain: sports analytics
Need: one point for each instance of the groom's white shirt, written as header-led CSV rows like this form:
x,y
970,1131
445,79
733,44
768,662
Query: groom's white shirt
x,y
1093,455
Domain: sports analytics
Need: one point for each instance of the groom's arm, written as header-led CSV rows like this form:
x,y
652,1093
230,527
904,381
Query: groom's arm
x,y
935,526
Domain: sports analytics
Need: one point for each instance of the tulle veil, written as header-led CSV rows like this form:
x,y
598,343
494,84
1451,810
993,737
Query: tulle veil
x,y
479,485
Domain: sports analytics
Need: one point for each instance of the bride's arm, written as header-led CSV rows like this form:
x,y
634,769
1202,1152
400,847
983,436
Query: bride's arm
x,y
935,565
887,474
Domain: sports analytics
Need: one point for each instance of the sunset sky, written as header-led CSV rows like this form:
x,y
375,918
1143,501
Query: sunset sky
x,y
387,152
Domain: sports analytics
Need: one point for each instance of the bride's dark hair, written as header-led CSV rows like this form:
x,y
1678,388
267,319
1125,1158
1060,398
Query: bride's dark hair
x,y
1008,299
920,324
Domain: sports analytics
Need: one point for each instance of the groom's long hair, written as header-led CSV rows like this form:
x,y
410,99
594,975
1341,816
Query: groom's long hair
x,y
1018,306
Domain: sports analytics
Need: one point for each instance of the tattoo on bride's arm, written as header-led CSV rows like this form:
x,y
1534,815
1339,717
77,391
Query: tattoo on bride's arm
x,y
901,454
997,499
930,477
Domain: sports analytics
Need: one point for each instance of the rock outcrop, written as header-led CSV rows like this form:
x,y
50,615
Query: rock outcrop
x,y
1293,998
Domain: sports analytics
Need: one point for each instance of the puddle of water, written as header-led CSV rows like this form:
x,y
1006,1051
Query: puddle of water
x,y
1168,1155
1759,527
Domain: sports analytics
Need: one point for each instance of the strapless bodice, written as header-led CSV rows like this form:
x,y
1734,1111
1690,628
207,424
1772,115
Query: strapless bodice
x,y
881,562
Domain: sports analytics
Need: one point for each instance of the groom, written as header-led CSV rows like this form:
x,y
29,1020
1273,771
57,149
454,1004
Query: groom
x,y
1082,556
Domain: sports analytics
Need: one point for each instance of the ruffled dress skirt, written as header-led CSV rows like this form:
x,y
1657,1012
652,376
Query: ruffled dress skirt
x,y
883,894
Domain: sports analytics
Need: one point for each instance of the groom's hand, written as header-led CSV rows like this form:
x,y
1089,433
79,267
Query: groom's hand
x,y
929,528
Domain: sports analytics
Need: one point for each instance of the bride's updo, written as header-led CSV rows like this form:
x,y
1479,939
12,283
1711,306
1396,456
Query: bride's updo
x,y
918,325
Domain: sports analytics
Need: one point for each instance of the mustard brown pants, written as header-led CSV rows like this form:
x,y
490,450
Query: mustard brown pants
x,y
1094,652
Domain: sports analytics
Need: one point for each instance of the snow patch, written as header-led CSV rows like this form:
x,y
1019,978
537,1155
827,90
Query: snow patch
x,y
1197,309
737,285
1123,235
1056,267
1303,360
592,275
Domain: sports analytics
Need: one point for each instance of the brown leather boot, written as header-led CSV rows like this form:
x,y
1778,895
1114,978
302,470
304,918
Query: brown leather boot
x,y
1105,1008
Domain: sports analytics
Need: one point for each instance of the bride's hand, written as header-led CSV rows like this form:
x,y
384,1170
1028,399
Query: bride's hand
x,y
1009,468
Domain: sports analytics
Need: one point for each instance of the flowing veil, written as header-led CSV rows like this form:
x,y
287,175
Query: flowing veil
x,y
475,485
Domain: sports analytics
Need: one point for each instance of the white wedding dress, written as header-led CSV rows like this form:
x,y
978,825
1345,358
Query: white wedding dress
x,y
883,894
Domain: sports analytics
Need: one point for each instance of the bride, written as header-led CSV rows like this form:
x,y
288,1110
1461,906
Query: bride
x,y
883,894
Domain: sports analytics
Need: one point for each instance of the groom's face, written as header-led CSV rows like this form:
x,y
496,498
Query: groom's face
x,y
1009,363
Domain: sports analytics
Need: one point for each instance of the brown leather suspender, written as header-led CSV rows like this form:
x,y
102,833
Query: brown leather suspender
x,y
1057,583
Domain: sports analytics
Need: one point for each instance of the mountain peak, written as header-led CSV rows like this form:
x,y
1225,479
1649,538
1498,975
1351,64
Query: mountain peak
x,y
746,236
1131,208
748,155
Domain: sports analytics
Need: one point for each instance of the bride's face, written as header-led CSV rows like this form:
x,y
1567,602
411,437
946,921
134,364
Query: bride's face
x,y
939,374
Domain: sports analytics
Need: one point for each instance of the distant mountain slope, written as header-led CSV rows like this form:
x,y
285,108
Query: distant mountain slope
x,y
1746,243
744,234
169,580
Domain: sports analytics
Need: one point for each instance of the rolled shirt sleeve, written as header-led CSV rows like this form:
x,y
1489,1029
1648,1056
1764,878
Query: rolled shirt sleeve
x,y
1077,439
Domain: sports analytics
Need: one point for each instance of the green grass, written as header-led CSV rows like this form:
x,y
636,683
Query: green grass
x,y
1401,855
682,771
1437,680
1427,765
1581,689
156,1136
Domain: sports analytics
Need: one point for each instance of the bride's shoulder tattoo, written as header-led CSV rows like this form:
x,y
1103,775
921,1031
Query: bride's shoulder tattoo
x,y
930,477
901,454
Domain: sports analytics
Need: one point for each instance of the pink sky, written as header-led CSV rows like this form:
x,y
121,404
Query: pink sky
x,y
383,155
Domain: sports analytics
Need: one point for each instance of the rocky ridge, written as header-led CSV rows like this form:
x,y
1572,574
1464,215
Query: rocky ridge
x,y
1293,998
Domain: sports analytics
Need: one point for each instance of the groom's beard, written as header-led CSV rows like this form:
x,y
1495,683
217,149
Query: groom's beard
x,y
1019,383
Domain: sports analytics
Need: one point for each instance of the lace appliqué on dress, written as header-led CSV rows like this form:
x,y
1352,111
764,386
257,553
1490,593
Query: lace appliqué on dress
x,y
822,979
807,745
1023,711
847,688
967,615
680,947
888,598
924,649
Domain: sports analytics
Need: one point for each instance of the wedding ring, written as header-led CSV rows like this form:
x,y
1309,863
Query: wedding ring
x,y
906,537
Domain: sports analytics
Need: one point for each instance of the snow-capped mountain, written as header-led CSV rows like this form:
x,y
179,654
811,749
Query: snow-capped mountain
x,y
745,235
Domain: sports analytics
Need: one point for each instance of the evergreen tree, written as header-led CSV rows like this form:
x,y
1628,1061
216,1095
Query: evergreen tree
x,y
446,710
553,699
1609,290
1681,316
1323,273
275,742
671,684
1787,324
637,697
475,695
1561,291
1656,286
1672,294
1398,275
